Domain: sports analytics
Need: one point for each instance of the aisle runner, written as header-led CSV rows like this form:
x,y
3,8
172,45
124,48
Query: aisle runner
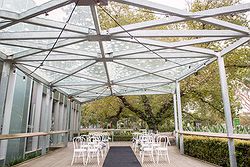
x,y
121,157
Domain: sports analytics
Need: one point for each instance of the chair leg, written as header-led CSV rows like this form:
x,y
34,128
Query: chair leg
x,y
73,159
142,159
87,158
152,155
168,157
158,157
83,159
98,160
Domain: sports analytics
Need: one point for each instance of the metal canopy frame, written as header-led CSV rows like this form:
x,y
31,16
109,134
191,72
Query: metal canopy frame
x,y
89,63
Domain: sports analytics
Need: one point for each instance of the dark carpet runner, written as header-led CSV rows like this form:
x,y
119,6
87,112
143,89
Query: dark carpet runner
x,y
121,157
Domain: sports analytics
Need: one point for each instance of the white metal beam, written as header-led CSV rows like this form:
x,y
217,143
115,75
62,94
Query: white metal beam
x,y
177,12
178,33
39,48
98,30
45,22
35,76
56,57
39,35
132,54
142,70
38,10
64,72
3,56
155,71
175,45
201,15
233,46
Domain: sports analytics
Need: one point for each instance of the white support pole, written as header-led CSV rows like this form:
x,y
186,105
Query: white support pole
x,y
50,114
8,103
227,110
175,120
38,96
178,93
3,88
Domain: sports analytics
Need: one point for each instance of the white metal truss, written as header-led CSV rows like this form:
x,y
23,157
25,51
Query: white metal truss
x,y
90,63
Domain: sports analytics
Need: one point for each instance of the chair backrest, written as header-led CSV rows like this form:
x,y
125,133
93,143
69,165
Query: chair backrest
x,y
77,142
94,139
163,140
84,137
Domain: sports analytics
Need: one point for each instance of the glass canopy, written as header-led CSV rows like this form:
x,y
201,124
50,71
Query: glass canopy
x,y
86,62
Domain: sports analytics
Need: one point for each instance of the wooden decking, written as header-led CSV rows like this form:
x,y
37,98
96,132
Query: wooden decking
x,y
62,158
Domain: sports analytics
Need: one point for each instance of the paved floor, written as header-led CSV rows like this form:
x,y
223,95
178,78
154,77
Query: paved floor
x,y
62,158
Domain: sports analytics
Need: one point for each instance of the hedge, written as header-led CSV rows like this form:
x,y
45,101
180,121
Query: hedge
x,y
215,150
123,137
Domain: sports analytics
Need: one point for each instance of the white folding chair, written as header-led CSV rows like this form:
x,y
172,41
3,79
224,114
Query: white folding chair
x,y
162,150
147,148
93,151
78,150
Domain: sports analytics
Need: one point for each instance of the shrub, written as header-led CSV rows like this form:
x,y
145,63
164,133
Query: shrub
x,y
123,137
215,150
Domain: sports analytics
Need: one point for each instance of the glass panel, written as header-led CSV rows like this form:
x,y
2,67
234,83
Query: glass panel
x,y
87,46
24,27
18,5
75,89
98,92
146,78
76,80
67,65
175,73
10,50
118,46
117,71
47,75
147,64
19,116
97,71
54,56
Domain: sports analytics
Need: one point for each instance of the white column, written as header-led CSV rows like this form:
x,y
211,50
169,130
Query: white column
x,y
56,120
45,121
178,93
175,120
8,72
71,119
37,113
227,110
4,87
50,114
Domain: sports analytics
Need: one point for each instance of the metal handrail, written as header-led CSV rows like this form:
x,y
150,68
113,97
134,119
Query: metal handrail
x,y
217,135
24,135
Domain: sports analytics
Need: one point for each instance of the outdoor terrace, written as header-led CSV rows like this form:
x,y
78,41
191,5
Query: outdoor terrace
x,y
63,157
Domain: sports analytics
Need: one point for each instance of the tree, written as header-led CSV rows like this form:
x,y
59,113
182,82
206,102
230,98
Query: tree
x,y
200,91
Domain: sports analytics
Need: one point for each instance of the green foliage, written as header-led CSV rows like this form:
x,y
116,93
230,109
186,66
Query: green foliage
x,y
123,137
215,150
123,14
20,159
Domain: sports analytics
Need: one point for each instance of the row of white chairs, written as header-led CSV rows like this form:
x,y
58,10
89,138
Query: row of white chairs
x,y
151,145
88,147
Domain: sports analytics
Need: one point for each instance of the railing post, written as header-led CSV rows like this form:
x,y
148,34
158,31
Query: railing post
x,y
43,144
227,110
65,139
178,93
175,120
